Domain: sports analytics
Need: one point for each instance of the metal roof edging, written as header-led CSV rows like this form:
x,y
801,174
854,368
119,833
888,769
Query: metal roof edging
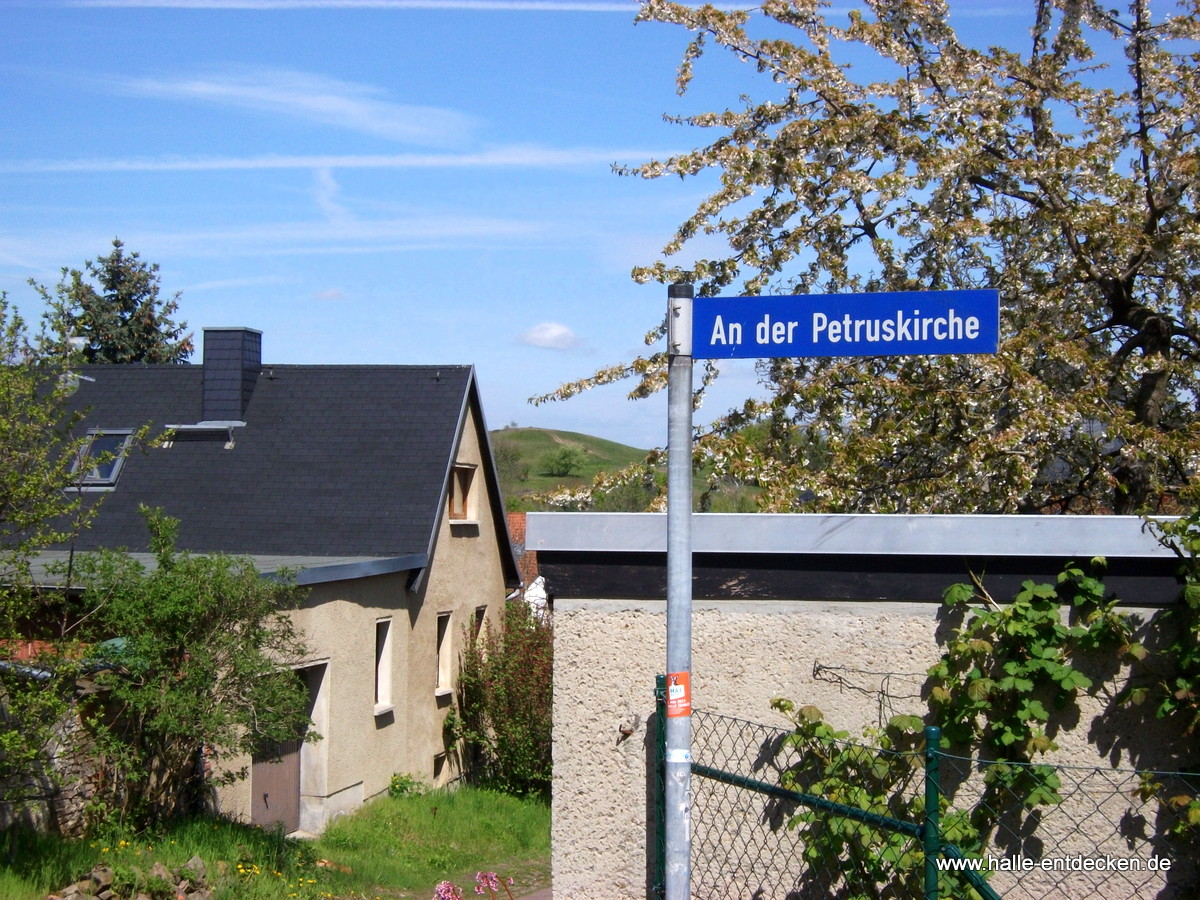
x,y
508,561
387,565
460,426
852,534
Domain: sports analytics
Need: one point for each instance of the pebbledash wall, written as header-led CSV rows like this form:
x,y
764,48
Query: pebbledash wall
x,y
820,609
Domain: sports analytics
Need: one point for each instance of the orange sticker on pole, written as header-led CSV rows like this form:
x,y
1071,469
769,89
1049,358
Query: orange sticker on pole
x,y
679,694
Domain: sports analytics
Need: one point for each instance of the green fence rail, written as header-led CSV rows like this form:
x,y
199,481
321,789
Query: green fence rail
x,y
1109,836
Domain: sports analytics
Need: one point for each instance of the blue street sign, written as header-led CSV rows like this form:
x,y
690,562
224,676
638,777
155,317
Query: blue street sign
x,y
903,323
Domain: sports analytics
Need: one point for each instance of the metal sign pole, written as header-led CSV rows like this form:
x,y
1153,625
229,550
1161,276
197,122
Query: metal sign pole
x,y
899,323
678,774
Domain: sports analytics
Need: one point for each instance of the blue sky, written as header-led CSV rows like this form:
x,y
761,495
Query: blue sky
x,y
365,181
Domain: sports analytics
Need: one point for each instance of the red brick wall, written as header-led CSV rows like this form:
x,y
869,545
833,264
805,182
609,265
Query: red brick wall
x,y
526,559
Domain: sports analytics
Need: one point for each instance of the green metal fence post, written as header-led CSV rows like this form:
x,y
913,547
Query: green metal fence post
x,y
660,807
933,791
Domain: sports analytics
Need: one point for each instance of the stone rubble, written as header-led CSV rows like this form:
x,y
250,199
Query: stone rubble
x,y
188,882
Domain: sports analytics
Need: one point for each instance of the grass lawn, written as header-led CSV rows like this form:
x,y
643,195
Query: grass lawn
x,y
395,847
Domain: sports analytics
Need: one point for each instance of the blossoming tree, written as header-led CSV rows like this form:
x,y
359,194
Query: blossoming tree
x,y
1062,171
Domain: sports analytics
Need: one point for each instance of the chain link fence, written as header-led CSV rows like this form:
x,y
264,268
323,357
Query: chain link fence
x,y
1107,833
774,818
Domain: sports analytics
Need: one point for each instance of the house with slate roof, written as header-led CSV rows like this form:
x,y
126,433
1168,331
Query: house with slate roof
x,y
376,484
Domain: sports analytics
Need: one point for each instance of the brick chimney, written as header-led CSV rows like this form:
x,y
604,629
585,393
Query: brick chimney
x,y
232,361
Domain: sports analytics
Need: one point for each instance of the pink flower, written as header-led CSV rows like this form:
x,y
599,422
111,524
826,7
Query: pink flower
x,y
447,891
487,880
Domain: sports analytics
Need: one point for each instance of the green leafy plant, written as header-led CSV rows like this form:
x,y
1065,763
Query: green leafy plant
x,y
190,654
1003,675
38,508
1010,665
564,462
404,784
883,779
505,698
1185,807
1179,691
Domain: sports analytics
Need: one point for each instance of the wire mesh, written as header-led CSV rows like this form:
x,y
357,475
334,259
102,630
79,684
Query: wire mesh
x,y
1105,833
749,845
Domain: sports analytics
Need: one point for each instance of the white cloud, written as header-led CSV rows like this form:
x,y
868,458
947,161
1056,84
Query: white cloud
x,y
326,193
41,254
332,294
550,336
355,107
522,156
225,284
356,236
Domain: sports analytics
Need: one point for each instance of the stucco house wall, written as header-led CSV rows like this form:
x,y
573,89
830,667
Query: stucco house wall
x,y
466,580
365,742
804,608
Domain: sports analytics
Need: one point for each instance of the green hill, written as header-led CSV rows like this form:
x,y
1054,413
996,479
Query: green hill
x,y
533,460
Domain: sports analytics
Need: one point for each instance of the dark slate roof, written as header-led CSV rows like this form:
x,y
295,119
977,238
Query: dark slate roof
x,y
332,460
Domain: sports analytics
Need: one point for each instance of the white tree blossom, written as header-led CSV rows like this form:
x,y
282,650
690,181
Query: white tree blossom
x,y
1062,172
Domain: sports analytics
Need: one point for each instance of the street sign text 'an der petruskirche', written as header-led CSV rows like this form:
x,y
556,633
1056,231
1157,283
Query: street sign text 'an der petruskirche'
x,y
901,323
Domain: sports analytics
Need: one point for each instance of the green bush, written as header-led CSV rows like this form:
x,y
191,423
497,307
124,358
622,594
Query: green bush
x,y
190,653
403,784
505,693
564,462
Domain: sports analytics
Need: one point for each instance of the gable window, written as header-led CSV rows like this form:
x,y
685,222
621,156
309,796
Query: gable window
x,y
460,491
100,460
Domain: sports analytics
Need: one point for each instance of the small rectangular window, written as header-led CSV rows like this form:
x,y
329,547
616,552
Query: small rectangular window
x,y
445,675
101,458
460,491
383,666
480,618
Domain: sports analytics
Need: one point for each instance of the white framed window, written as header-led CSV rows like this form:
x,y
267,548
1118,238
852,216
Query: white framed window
x,y
99,463
445,658
461,501
383,666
